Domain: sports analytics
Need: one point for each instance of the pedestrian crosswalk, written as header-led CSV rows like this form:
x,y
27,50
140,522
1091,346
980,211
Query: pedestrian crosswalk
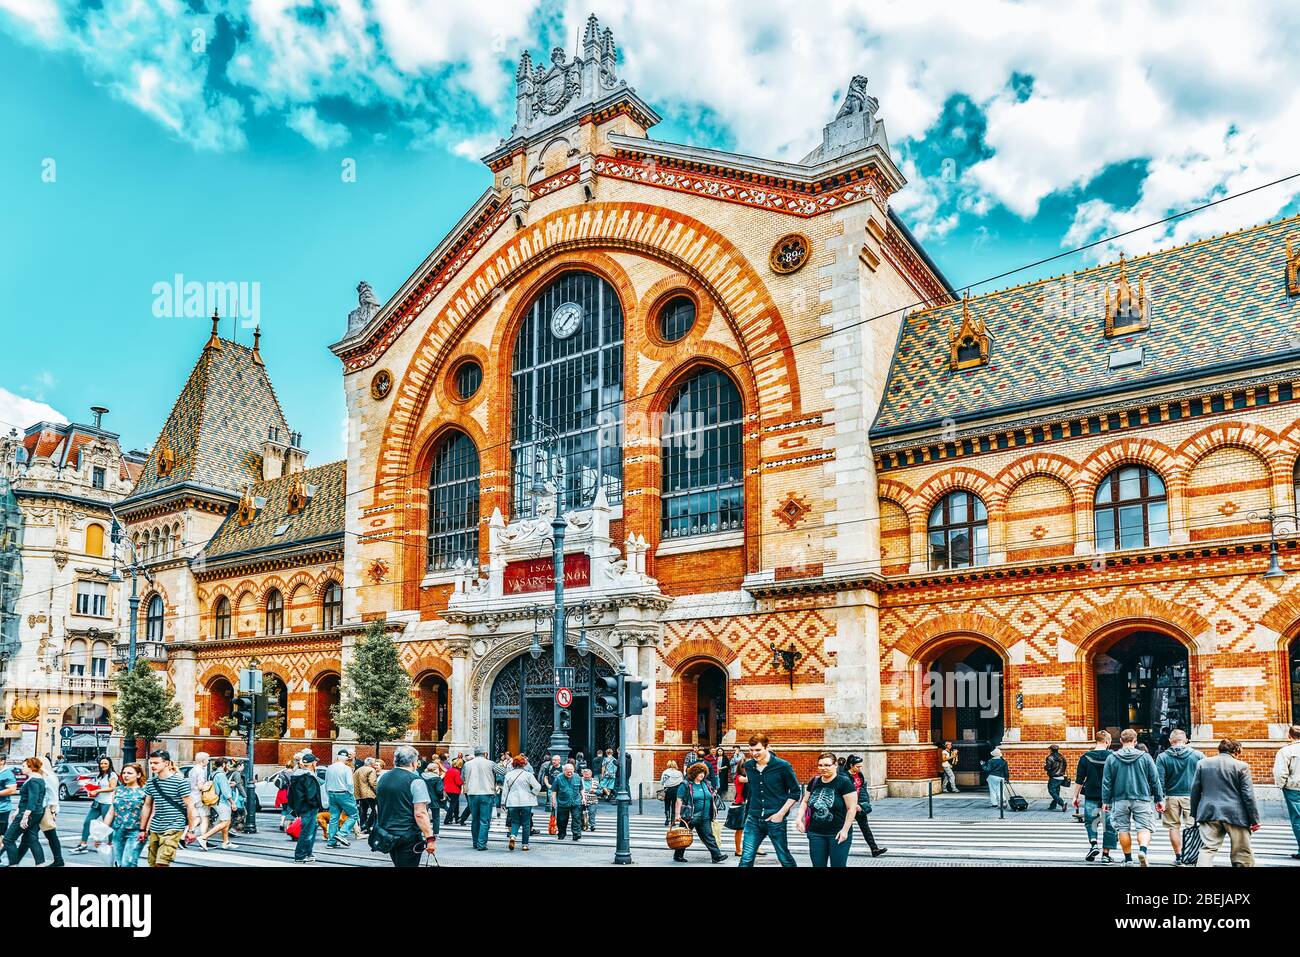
x,y
912,841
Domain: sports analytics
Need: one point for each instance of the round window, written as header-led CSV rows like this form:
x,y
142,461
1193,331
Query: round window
x,y
676,318
469,376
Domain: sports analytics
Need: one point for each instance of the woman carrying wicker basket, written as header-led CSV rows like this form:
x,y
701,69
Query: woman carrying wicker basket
x,y
697,803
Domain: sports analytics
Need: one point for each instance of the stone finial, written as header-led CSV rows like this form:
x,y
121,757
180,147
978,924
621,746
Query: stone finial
x,y
525,70
592,34
257,345
214,341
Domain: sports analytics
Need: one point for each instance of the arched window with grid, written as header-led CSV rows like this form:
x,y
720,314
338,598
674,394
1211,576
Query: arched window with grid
x,y
332,606
959,532
567,373
1130,510
453,503
153,621
221,618
274,612
703,462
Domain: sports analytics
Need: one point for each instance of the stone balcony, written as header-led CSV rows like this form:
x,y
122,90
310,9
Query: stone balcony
x,y
155,651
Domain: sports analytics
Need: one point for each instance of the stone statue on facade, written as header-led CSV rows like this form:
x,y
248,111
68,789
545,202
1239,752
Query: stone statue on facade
x,y
367,306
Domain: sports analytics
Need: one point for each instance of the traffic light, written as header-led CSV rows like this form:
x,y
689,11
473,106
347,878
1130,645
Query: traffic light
x,y
633,696
566,719
607,695
241,709
260,709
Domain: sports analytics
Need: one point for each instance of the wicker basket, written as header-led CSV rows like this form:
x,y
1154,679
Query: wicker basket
x,y
680,836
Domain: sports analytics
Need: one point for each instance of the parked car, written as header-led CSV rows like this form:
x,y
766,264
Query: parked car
x,y
73,779
264,791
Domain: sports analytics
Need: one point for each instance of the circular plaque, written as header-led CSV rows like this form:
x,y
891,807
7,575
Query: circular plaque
x,y
566,320
381,384
790,253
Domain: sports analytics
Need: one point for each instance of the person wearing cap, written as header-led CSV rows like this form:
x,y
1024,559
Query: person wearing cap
x,y
479,775
343,803
305,803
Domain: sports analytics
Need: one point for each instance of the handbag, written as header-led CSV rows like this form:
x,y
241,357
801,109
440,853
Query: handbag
x,y
294,830
553,827
381,840
736,817
1192,845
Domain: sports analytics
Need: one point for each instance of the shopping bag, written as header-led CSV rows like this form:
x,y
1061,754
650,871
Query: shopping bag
x,y
99,831
553,827
294,830
1192,845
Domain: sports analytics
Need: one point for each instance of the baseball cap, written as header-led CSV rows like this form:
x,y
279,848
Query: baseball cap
x,y
307,758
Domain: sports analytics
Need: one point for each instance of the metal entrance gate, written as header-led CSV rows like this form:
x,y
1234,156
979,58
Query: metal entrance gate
x,y
523,712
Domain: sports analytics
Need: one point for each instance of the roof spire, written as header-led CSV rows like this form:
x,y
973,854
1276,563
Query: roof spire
x,y
257,338
214,341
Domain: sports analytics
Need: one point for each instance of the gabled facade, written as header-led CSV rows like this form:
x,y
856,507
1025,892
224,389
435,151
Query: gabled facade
x,y
709,333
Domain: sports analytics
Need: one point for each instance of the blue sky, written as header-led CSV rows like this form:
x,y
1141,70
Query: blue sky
x,y
208,138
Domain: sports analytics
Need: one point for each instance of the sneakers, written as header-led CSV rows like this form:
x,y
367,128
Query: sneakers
x,y
304,860
331,844
1106,859
1142,857
719,860
1091,855
228,846
344,841
525,847
80,849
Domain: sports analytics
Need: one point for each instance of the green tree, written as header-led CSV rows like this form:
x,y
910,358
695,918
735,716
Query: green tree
x,y
145,708
376,700
273,726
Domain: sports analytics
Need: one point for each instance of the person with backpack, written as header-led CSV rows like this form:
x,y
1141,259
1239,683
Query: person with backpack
x,y
1054,766
305,803
695,807
1087,784
998,773
1177,767
826,813
403,827
281,782
1223,803
853,768
669,782
224,809
1132,793
1286,775
519,793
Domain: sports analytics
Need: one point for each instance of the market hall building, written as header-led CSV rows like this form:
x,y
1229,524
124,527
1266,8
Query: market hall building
x,y
708,334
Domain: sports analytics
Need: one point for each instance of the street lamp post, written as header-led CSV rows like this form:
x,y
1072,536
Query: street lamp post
x,y
133,607
1275,569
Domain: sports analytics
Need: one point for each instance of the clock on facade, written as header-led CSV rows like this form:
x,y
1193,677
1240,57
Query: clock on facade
x,y
566,319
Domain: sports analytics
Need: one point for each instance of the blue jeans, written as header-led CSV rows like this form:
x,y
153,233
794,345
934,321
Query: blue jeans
x,y
341,802
1091,811
127,847
757,828
480,809
822,847
306,838
97,810
519,818
1293,811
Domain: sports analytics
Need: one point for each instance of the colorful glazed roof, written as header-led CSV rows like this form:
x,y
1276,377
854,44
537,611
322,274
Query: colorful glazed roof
x,y
1220,303
215,431
322,517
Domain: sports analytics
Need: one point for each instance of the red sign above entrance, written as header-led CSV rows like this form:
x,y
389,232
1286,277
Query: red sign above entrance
x,y
535,574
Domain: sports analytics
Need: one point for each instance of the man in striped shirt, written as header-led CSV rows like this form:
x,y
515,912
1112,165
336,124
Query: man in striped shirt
x,y
168,809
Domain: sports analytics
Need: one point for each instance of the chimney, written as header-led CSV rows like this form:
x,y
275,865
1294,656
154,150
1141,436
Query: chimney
x,y
99,412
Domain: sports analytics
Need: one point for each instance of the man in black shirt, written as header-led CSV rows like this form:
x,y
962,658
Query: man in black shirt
x,y
1087,779
771,791
402,816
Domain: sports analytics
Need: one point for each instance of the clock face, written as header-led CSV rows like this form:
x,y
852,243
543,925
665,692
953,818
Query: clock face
x,y
566,319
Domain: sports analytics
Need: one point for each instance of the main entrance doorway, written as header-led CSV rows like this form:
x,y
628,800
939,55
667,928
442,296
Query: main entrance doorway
x,y
1143,684
523,707
964,692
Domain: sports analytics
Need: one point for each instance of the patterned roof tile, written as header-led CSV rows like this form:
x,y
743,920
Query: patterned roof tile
x,y
322,517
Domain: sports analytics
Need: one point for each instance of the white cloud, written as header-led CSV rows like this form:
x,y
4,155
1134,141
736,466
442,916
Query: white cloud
x,y
319,133
1202,96
19,412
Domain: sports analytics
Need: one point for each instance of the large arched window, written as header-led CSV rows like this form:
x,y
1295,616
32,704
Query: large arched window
x,y
153,622
959,532
99,660
567,373
703,468
77,657
274,612
332,606
1130,510
95,540
221,618
453,503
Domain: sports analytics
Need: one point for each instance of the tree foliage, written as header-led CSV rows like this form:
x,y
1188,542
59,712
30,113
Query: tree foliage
x,y
145,708
376,702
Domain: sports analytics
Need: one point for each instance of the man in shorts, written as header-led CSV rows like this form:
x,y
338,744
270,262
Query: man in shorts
x,y
1131,793
168,810
1177,767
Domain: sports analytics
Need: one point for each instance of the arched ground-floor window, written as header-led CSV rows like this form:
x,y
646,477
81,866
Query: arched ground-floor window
x,y
1293,659
1142,681
964,690
703,702
432,703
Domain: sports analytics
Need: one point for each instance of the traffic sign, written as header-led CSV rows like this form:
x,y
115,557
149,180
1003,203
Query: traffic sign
x,y
67,733
563,697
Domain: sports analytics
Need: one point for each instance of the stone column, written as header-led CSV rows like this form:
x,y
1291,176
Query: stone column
x,y
853,684
460,734
183,665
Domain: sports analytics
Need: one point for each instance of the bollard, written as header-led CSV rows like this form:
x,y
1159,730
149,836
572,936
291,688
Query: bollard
x,y
1002,813
640,798
930,788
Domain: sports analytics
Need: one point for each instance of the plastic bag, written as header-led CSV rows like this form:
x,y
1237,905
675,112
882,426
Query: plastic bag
x,y
99,831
